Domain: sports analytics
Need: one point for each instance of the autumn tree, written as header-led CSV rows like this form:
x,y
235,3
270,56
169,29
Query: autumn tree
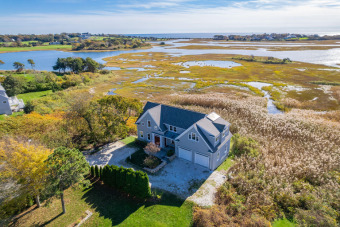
x,y
66,168
115,111
25,163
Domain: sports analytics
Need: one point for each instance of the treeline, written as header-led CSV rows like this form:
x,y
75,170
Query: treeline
x,y
15,84
267,60
135,183
110,44
77,65
39,38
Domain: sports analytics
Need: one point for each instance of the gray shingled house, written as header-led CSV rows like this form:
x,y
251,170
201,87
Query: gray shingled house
x,y
9,104
200,138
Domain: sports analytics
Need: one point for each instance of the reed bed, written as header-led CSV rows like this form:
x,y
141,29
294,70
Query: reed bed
x,y
296,174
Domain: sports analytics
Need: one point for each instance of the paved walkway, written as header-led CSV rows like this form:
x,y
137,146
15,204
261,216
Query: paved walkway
x,y
185,179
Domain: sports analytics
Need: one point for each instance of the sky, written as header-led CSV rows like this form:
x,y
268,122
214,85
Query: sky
x,y
169,16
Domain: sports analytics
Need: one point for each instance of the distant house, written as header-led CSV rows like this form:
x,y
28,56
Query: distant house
x,y
199,138
55,43
8,105
85,35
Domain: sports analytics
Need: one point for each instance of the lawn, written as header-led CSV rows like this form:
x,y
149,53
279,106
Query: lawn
x,y
34,95
283,223
109,209
2,117
49,47
130,141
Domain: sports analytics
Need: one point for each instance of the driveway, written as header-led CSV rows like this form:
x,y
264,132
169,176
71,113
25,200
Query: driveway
x,y
185,179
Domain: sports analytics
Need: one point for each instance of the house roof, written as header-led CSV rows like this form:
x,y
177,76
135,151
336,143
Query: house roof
x,y
164,114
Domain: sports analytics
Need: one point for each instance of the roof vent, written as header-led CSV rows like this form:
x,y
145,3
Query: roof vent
x,y
213,116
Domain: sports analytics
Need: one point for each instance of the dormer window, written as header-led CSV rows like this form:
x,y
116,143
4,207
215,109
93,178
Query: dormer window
x,y
149,124
172,128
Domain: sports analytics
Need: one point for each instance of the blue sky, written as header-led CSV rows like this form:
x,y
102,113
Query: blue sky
x,y
169,16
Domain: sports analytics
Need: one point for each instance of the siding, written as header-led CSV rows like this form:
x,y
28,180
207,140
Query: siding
x,y
224,152
196,146
5,108
145,128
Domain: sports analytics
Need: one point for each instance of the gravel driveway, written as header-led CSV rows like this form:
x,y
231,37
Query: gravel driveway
x,y
185,179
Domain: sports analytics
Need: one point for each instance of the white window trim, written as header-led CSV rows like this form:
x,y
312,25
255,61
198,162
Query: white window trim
x,y
141,134
149,136
147,124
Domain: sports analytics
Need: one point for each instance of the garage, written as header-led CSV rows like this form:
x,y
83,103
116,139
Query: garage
x,y
185,154
202,160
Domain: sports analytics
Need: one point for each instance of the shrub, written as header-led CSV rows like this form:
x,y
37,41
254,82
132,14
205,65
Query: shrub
x,y
152,148
105,71
96,171
100,172
92,171
151,162
143,186
244,145
170,153
132,182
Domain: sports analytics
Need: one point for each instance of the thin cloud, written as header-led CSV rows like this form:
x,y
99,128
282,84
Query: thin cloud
x,y
294,18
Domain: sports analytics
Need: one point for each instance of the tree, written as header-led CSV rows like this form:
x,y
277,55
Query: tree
x,y
14,85
115,111
18,66
66,168
152,148
96,171
1,62
91,65
31,62
25,163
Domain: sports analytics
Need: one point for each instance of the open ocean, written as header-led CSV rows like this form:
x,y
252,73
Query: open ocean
x,y
211,35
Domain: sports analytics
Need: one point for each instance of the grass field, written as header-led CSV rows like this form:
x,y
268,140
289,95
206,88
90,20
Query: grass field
x,y
109,209
49,47
33,95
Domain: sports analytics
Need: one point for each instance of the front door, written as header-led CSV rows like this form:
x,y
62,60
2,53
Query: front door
x,y
157,140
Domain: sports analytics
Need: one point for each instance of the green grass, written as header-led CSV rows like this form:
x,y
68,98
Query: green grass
x,y
34,95
283,223
49,47
110,208
229,161
129,140
226,164
3,117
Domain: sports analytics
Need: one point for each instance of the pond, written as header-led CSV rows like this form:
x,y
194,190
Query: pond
x,y
221,64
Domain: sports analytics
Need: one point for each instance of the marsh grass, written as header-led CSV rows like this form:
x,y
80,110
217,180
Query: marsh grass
x,y
293,148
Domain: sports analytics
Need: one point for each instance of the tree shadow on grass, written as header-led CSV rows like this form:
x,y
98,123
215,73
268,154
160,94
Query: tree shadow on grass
x,y
113,205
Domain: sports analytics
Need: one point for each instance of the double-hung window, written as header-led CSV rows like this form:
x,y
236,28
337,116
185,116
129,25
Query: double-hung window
x,y
149,124
141,134
193,136
149,137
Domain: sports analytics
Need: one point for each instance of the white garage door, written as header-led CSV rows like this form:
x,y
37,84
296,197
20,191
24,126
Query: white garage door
x,y
202,160
185,154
